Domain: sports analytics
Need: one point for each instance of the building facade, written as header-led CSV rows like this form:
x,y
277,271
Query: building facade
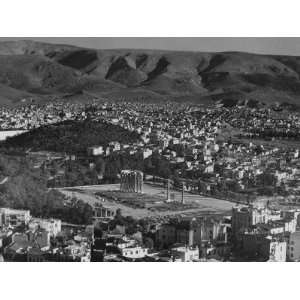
x,y
53,226
185,253
245,217
134,252
293,248
14,217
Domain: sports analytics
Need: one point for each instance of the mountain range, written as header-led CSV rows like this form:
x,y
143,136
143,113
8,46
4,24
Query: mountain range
x,y
41,71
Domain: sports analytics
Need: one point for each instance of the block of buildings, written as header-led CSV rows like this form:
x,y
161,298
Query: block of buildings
x,y
14,217
53,226
274,249
258,246
185,253
95,150
191,233
243,217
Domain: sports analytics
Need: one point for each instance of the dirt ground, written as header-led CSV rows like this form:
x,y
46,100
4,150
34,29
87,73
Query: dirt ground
x,y
201,204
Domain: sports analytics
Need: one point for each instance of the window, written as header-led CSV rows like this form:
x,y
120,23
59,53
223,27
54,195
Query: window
x,y
292,248
292,243
292,255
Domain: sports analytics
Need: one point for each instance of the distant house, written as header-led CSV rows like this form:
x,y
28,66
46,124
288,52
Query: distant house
x,y
53,226
115,146
185,253
95,150
134,252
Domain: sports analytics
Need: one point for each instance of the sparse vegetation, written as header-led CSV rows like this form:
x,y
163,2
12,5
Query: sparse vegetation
x,y
146,75
26,188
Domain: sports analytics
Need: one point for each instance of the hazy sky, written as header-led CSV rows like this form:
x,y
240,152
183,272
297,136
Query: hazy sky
x,y
276,45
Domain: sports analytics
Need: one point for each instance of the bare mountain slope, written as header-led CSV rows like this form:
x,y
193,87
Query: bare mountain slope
x,y
41,69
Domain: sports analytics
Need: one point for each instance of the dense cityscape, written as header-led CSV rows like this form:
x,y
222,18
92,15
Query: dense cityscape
x,y
177,140
152,182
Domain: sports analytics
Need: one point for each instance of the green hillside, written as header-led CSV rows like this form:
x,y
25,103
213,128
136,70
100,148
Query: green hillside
x,y
70,137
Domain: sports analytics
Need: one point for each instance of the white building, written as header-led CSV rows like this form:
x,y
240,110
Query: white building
x,y
275,249
79,251
14,217
126,242
134,252
53,226
290,225
185,253
209,168
115,146
179,159
95,150
244,217
146,153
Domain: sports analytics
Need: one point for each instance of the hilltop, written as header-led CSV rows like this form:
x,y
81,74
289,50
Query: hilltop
x,y
70,137
35,70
